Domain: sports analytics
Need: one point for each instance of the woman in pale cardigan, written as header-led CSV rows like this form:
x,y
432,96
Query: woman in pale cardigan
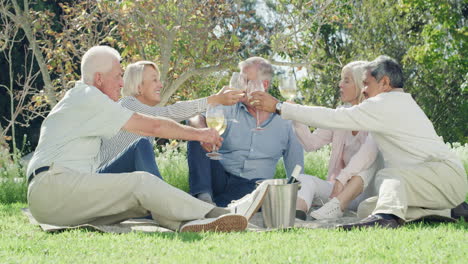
x,y
353,160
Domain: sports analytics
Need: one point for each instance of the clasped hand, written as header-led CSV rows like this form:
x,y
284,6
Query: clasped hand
x,y
228,96
263,101
209,138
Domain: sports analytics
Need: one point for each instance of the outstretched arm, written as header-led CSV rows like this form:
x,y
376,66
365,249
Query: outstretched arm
x,y
184,109
367,116
165,128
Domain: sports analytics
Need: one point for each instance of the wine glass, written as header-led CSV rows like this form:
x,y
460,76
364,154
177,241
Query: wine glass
x,y
215,119
288,88
237,82
254,86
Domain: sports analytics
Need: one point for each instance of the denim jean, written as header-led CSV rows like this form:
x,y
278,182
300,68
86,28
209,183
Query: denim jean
x,y
139,156
209,176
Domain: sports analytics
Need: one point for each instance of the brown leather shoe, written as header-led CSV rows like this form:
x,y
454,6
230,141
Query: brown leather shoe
x,y
372,221
460,212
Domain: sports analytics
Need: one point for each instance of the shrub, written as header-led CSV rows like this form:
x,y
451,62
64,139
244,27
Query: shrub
x,y
172,163
13,187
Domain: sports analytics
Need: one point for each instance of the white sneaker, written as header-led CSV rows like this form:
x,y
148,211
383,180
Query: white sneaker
x,y
329,210
250,203
224,223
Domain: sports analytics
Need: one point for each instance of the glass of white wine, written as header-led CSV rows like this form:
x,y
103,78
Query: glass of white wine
x,y
237,81
288,88
254,86
215,119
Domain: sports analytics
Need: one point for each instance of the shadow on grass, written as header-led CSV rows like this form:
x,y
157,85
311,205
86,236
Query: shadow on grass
x,y
183,237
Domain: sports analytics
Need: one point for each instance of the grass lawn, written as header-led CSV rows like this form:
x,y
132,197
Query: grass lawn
x,y
21,242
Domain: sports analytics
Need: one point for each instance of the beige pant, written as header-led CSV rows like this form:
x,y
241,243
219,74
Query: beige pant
x,y
63,196
431,188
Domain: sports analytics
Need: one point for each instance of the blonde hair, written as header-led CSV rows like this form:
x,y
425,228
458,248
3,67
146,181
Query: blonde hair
x,y
133,77
97,59
357,69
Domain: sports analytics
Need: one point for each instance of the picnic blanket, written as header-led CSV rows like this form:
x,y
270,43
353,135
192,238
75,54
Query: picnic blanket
x,y
149,226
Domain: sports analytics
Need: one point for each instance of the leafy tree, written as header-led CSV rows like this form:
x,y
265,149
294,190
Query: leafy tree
x,y
429,39
44,56
186,38
437,64
198,43
311,35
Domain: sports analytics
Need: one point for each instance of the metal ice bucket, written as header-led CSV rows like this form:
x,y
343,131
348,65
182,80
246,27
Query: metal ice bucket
x,y
279,206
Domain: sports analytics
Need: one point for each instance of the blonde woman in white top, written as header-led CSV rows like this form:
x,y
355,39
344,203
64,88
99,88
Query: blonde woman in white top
x,y
126,151
352,163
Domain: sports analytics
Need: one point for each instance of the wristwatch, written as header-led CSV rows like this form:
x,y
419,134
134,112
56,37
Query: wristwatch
x,y
278,107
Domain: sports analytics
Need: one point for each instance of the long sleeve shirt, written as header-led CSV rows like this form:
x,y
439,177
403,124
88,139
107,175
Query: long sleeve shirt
x,y
403,133
179,111
254,154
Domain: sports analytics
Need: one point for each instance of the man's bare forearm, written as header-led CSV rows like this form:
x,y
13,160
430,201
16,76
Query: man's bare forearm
x,y
161,127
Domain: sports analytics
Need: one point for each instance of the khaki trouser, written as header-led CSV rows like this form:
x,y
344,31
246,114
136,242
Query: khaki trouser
x,y
431,188
63,196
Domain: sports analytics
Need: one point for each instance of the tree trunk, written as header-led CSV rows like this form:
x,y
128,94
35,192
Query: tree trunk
x,y
22,18
186,75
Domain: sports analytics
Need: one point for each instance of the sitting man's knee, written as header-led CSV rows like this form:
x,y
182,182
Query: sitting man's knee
x,y
145,176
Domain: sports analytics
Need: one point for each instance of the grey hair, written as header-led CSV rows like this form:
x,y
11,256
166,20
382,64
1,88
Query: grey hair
x,y
386,66
357,69
97,59
263,66
133,77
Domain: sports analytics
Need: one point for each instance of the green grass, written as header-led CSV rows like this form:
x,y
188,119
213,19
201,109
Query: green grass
x,y
21,242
